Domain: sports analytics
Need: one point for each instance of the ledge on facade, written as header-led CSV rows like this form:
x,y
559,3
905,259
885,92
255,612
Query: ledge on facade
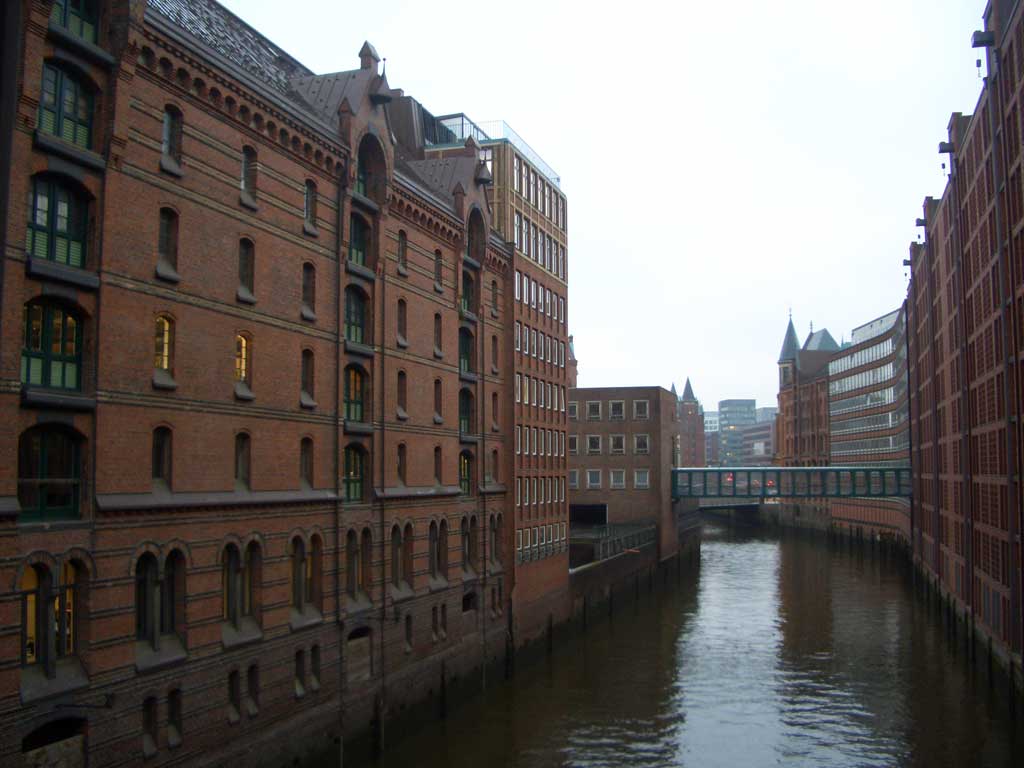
x,y
34,397
494,312
365,203
469,578
355,348
162,499
169,165
35,685
401,341
438,418
246,199
64,38
469,261
247,631
400,593
360,270
244,295
162,379
43,269
57,146
415,491
9,506
492,487
307,617
358,428
307,314
310,229
165,271
305,401
437,584
401,414
469,318
357,605
468,376
242,391
466,437
148,659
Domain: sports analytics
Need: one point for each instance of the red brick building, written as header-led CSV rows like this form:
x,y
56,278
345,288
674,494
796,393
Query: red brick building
x,y
691,430
257,359
801,425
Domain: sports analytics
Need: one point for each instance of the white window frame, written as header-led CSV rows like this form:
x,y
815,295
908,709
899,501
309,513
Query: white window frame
x,y
599,410
574,479
647,408
591,485
636,479
518,491
574,407
574,451
526,441
519,437
591,451
636,450
519,328
519,540
611,410
611,445
621,475
518,384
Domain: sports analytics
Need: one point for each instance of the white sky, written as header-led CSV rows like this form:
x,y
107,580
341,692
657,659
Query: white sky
x,y
723,162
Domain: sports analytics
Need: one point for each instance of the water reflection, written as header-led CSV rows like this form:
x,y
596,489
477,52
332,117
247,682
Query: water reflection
x,y
780,651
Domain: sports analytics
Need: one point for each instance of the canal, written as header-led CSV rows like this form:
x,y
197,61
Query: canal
x,y
780,651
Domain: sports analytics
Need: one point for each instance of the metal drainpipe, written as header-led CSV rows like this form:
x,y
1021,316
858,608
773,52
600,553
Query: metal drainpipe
x,y
482,608
383,442
907,325
998,162
339,257
933,376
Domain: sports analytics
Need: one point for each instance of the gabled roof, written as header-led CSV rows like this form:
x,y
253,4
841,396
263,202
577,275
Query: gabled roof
x,y
790,345
688,395
442,174
820,341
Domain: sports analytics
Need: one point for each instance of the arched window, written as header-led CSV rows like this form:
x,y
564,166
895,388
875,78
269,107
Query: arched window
x,y
149,726
474,543
476,236
433,547
309,208
242,462
355,315
147,598
442,550
243,359
163,357
408,539
494,409
167,245
79,17
402,394
252,579
162,458
314,574
253,689
355,394
403,334
298,573
438,400
170,146
438,269
496,539
366,559
172,596
466,472
66,107
494,295
403,251
231,585
467,414
438,469
494,352
306,463
402,468
464,543
371,170
57,222
397,576
494,465
52,352
246,271
50,615
438,336
48,474
359,238
467,352
306,392
355,473
249,175
308,291
353,570
234,696
468,292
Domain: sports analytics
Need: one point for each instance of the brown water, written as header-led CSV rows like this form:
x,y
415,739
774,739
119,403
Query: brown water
x,y
779,651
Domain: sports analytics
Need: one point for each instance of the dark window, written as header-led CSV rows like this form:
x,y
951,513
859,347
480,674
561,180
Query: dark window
x,y
174,729
396,556
314,667
438,268
438,336
247,266
48,474
308,367
162,457
496,541
309,211
467,356
494,295
494,465
494,352
437,465
467,420
231,585
401,463
242,462
355,394
355,315
494,408
465,473
78,17
65,107
52,352
354,473
403,250
306,462
309,286
168,241
358,240
300,566
408,540
474,543
365,559
171,140
438,403
300,673
234,696
172,595
147,586
402,329
253,688
57,225
353,571
402,391
468,292
252,578
408,632
149,726
464,543
249,172
433,547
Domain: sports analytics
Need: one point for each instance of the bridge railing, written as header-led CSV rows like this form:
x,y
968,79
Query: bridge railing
x,y
791,482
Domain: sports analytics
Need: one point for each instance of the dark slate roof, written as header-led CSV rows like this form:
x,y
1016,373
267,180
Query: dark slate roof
x,y
441,174
811,363
820,341
688,395
790,345
215,26
326,92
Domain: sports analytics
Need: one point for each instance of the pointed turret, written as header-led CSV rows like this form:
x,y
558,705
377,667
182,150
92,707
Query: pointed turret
x,y
790,345
688,396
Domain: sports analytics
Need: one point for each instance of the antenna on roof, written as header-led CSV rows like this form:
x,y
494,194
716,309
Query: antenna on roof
x,y
977,63
943,170
384,68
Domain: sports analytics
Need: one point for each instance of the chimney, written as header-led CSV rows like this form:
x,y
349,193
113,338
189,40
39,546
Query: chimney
x,y
368,58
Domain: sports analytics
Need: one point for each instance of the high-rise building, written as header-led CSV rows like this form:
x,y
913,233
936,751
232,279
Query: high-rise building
x,y
733,416
710,421
766,413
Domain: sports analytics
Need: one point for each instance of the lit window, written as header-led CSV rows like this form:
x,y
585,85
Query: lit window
x,y
65,107
52,352
57,223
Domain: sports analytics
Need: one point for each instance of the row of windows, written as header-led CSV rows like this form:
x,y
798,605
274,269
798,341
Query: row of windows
x,y
868,423
874,399
542,248
616,479
616,444
543,394
863,379
897,442
539,490
545,442
540,535
537,296
531,185
861,357
616,410
532,342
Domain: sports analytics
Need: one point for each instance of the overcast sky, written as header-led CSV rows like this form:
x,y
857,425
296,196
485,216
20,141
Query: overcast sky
x,y
721,166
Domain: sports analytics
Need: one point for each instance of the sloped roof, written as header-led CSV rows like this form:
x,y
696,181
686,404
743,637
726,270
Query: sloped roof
x,y
790,345
810,363
688,392
820,340
441,174
325,93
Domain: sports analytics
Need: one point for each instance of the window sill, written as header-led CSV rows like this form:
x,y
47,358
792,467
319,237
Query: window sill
x,y
166,272
357,604
148,746
307,314
358,428
356,348
310,229
437,584
401,592
364,202
403,271
438,287
244,295
173,737
494,312
438,419
35,397
169,165
415,491
43,269
65,149
251,708
248,201
171,652
307,617
35,685
360,270
492,488
439,353
234,716
468,376
465,437
162,379
300,690
401,414
468,315
401,341
64,38
307,402
247,631
114,502
469,261
242,392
